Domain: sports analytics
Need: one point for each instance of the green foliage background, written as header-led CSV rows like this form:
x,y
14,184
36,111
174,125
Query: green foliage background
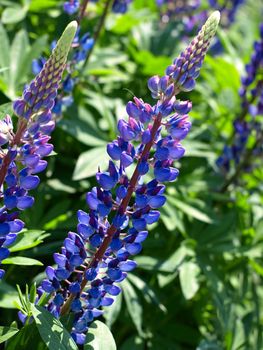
x,y
198,284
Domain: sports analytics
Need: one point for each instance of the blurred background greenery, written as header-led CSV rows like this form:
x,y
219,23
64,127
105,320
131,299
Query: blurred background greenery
x,y
198,284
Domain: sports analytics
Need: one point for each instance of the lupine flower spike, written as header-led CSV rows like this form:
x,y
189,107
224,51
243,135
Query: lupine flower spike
x,y
96,258
81,45
251,94
23,158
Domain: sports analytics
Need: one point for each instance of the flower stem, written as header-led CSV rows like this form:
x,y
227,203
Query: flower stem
x,y
15,142
82,10
98,29
123,206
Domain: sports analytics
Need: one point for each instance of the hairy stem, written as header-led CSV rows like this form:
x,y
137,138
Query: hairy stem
x,y
123,206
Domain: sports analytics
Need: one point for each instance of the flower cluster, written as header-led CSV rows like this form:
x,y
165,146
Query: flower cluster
x,y
97,257
251,94
184,10
23,158
193,14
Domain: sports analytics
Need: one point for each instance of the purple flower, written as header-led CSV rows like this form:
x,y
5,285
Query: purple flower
x,y
251,94
116,223
120,6
26,148
71,6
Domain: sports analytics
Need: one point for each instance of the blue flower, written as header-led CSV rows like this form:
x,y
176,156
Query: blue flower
x,y
95,259
71,6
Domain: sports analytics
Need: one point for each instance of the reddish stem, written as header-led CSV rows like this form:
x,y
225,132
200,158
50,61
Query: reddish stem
x,y
123,206
98,29
82,10
15,142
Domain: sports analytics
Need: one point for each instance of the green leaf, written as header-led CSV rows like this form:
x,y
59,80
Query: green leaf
x,y
21,260
5,109
148,294
99,337
133,305
89,161
152,64
40,5
7,333
8,296
14,14
19,46
133,343
172,265
26,61
82,128
148,263
188,275
28,239
54,335
27,338
33,293
67,320
175,260
5,50
189,210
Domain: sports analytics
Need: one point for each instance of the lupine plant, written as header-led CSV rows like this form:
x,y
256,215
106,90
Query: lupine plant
x,y
85,280
23,157
97,258
247,122
130,237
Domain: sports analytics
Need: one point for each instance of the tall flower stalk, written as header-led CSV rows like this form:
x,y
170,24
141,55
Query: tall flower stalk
x,y
236,156
97,257
23,157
